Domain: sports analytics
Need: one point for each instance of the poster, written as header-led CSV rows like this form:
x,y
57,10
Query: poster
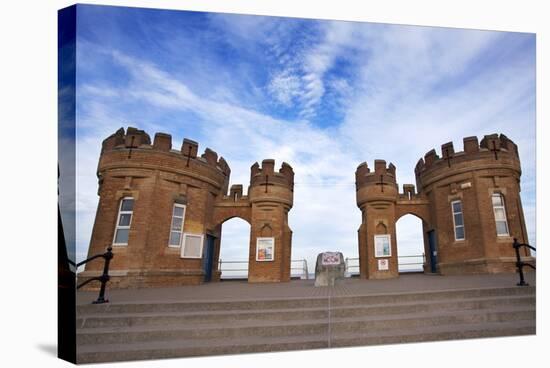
x,y
265,249
382,245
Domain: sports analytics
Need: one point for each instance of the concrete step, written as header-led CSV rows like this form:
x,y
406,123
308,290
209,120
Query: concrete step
x,y
430,319
432,296
293,303
249,328
433,306
216,317
151,330
435,333
191,347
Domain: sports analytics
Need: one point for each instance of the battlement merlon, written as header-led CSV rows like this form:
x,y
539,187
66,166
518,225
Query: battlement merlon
x,y
408,190
364,176
136,139
266,173
132,138
236,191
492,144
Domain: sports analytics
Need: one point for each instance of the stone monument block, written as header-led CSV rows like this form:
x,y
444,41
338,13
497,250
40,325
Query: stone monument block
x,y
329,267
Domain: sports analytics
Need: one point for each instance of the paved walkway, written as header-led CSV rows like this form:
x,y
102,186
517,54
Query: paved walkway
x,y
241,290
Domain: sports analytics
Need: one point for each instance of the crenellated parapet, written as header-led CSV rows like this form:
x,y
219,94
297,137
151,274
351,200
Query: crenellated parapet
x,y
283,177
266,184
493,152
133,150
364,176
377,185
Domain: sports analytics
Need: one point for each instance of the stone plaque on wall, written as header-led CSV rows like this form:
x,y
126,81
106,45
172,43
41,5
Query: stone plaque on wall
x,y
330,258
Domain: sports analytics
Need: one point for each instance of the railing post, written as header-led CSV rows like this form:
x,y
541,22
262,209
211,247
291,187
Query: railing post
x,y
105,277
519,264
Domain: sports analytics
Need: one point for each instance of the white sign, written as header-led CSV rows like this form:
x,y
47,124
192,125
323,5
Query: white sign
x,y
330,258
265,249
382,245
383,264
192,246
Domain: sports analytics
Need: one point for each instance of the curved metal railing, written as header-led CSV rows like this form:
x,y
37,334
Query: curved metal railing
x,y
519,263
104,278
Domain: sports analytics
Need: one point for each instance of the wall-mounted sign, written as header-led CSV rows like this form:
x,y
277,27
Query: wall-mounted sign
x,y
330,258
383,264
382,245
265,249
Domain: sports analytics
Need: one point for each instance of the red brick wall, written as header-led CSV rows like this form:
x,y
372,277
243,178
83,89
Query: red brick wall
x,y
471,176
157,177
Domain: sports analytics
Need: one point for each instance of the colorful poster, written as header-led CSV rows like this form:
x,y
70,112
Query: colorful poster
x,y
382,245
265,249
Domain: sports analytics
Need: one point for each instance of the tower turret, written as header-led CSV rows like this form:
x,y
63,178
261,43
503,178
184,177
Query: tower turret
x,y
271,195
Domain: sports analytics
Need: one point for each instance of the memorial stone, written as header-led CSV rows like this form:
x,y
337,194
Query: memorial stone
x,y
329,267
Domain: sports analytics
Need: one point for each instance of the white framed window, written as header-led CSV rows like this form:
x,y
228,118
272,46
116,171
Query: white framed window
x,y
124,221
500,214
176,226
458,220
192,245
265,249
382,245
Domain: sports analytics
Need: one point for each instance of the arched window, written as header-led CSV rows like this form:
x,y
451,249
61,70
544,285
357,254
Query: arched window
x,y
500,214
124,220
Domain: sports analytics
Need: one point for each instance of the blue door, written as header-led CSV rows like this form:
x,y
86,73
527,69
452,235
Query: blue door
x,y
432,242
208,259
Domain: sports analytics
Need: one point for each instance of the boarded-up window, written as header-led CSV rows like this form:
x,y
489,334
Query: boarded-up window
x,y
192,246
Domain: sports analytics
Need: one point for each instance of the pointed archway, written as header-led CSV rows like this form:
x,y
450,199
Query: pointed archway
x,y
409,236
234,249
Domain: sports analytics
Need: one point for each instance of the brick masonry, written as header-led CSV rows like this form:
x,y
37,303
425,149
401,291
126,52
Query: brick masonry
x,y
472,177
156,176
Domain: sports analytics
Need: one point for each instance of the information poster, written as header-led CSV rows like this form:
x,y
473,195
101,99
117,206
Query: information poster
x,y
382,245
265,249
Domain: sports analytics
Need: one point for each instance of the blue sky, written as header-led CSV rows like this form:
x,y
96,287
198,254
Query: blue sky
x,y
321,95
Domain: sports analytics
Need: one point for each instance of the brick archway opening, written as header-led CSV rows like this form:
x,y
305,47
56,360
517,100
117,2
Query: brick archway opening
x,y
234,249
409,232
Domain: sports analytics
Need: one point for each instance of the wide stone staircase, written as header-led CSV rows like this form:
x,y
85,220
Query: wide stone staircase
x,y
135,331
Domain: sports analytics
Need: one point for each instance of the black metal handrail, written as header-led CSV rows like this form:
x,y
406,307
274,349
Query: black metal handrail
x,y
104,278
519,263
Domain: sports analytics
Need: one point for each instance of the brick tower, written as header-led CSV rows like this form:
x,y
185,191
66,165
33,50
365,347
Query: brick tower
x,y
271,197
162,210
468,201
